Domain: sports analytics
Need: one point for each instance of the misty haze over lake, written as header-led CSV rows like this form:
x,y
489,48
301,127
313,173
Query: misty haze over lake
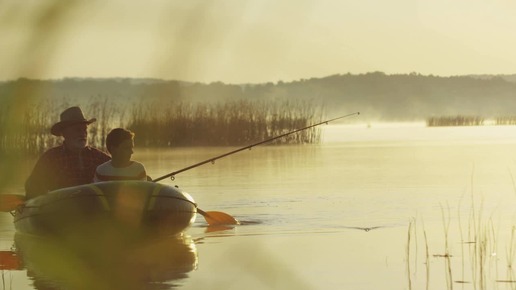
x,y
378,96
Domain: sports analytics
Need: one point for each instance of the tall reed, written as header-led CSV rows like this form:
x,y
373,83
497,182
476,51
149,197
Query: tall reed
x,y
478,250
447,255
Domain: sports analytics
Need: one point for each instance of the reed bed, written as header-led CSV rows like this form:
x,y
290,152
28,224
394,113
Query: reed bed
x,y
229,124
26,132
455,121
469,121
505,121
233,123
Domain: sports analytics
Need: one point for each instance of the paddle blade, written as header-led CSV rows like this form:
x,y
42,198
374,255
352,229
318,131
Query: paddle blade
x,y
9,202
10,261
218,218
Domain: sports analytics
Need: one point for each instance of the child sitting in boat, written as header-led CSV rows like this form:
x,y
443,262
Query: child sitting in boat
x,y
120,144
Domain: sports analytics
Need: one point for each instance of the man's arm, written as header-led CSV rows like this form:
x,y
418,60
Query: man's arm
x,y
38,181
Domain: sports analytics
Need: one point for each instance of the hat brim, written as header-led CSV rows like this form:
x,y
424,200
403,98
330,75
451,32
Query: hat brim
x,y
57,129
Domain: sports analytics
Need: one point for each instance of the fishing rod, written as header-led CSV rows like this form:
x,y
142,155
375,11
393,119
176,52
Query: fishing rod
x,y
212,160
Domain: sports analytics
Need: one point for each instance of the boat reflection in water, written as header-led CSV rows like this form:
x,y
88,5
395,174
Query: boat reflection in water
x,y
106,262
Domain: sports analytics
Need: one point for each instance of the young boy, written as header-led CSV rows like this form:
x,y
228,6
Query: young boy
x,y
120,144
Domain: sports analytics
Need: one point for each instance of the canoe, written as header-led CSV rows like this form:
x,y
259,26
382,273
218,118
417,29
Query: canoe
x,y
131,206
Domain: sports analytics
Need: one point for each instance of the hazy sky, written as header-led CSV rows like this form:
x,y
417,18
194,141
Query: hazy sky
x,y
237,41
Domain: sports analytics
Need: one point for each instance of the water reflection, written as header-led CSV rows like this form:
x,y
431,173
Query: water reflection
x,y
96,263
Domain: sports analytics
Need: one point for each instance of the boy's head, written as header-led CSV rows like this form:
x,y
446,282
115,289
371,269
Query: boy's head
x,y
116,137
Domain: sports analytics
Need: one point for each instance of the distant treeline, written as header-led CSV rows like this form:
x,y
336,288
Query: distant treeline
x,y
378,96
234,123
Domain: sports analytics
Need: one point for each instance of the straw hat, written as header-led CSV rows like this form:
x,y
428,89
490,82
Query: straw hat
x,y
69,117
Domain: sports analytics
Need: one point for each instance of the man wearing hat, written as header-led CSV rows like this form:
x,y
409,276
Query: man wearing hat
x,y
72,163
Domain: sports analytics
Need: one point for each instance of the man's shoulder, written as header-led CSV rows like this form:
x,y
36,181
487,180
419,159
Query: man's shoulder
x,y
90,148
96,151
54,150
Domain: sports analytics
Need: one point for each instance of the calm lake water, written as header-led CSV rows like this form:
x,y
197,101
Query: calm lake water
x,y
387,207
